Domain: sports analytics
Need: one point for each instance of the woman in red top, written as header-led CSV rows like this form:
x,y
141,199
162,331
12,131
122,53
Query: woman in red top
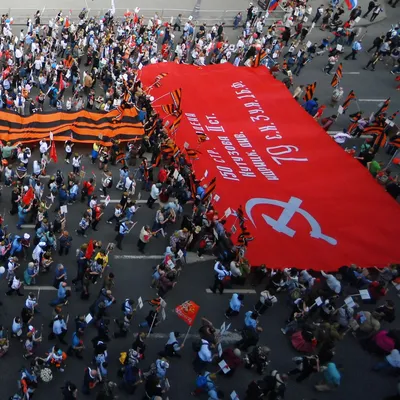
x,y
376,291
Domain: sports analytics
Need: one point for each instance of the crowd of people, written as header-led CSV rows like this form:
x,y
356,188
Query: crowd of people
x,y
108,53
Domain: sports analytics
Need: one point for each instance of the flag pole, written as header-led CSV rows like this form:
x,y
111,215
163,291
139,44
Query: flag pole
x,y
158,98
187,333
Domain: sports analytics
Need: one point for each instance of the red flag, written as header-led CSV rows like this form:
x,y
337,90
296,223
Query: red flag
x,y
187,311
61,85
53,151
28,196
89,250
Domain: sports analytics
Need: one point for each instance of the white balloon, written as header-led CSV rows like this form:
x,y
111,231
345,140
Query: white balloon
x,y
2,270
151,98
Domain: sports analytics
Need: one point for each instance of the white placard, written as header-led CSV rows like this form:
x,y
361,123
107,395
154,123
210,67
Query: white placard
x,y
227,328
216,198
140,303
139,196
163,315
171,264
51,135
163,303
365,294
107,200
140,66
339,47
180,253
340,110
234,396
309,44
305,19
176,174
224,366
205,173
228,212
349,302
215,234
318,301
88,318
358,19
233,230
64,209
313,25
220,349
223,328
186,145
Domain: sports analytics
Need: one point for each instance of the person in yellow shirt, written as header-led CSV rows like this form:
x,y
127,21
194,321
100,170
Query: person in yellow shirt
x,y
95,151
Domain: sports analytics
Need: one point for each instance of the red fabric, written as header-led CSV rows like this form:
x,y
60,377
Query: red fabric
x,y
28,196
89,250
384,342
61,83
53,151
271,157
187,311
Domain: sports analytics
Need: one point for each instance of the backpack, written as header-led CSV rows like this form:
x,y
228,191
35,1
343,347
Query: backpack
x,y
295,294
169,348
201,381
383,179
197,345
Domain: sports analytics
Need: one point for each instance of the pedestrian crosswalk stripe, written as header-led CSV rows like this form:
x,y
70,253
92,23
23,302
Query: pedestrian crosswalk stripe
x,y
371,100
227,337
230,291
27,226
50,288
137,257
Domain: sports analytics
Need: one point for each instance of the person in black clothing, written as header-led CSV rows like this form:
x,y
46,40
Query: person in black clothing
x,y
139,345
385,312
69,391
306,365
376,44
371,6
153,388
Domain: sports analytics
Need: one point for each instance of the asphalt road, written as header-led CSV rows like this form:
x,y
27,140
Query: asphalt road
x,y
133,277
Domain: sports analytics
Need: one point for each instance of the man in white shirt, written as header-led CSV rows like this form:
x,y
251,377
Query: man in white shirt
x,y
154,193
221,275
60,328
332,282
18,55
19,103
341,137
43,148
204,356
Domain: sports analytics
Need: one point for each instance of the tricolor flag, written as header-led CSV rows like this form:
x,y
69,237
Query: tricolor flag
x,y
351,4
273,4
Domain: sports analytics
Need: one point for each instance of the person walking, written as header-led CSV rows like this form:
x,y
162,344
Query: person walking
x,y
331,63
122,231
90,380
354,50
221,277
372,61
375,12
15,286
60,328
318,15
144,237
371,6
172,347
178,23
306,365
154,193
235,305
64,242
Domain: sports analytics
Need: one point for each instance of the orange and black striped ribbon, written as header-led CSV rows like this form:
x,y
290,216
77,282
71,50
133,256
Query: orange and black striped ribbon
x,y
84,126
176,123
210,189
177,98
350,97
309,92
395,142
193,153
394,115
201,138
383,107
257,60
168,108
338,76
157,82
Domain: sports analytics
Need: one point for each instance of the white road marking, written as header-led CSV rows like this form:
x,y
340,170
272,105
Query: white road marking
x,y
372,100
227,337
44,176
44,288
115,201
134,257
230,291
28,226
351,73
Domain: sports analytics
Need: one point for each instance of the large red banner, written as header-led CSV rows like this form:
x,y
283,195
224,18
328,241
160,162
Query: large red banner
x,y
308,203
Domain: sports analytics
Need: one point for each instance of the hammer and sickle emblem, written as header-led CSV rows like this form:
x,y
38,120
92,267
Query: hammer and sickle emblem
x,y
290,208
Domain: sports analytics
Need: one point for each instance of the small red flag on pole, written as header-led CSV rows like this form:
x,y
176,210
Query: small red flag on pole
x,y
53,151
28,196
89,250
